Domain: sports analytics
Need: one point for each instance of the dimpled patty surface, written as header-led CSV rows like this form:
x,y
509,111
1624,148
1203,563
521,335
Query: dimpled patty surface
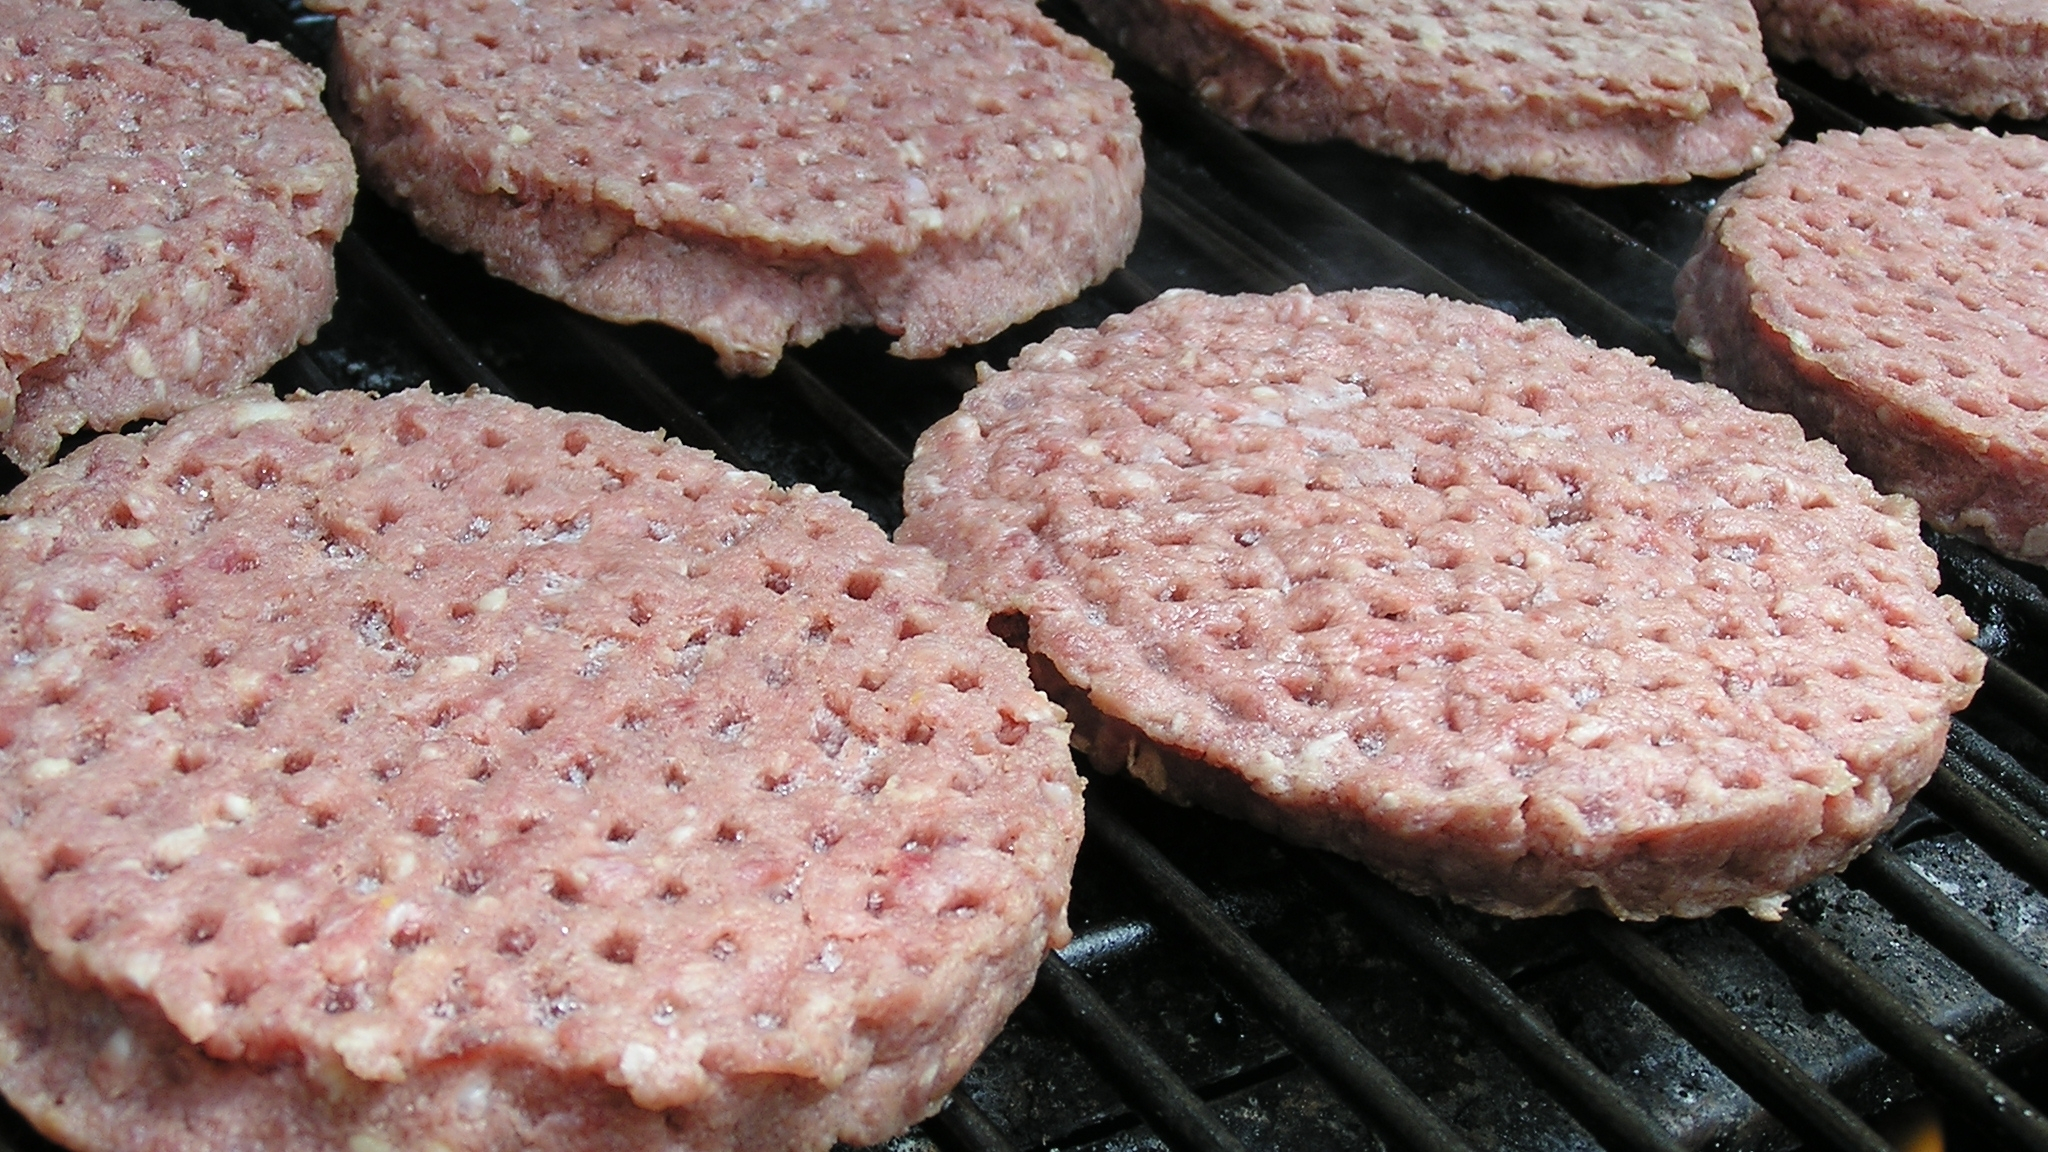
x,y
170,196
754,173
1580,91
418,736
1505,614
1890,289
1980,57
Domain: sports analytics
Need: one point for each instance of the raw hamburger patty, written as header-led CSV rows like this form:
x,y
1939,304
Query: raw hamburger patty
x,y
170,195
415,744
1503,614
1980,57
754,173
1579,91
1890,289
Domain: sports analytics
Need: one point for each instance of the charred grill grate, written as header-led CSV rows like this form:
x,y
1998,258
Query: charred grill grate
x,y
1225,991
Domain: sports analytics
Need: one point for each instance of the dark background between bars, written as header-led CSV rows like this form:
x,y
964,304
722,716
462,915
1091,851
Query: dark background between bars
x,y
1227,991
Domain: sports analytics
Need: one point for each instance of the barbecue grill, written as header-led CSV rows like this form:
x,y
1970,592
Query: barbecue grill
x,y
1226,991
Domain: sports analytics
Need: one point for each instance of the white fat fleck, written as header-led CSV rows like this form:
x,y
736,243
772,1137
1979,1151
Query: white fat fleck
x,y
927,219
235,807
1546,431
637,1060
257,411
1267,772
366,1051
1313,766
474,1097
1770,908
401,913
1801,341
518,134
119,1048
369,1142
141,362
1654,474
2035,542
492,601
1263,418
141,968
175,848
460,665
1586,729
49,768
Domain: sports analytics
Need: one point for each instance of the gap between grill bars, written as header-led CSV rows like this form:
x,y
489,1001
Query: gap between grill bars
x,y
1227,212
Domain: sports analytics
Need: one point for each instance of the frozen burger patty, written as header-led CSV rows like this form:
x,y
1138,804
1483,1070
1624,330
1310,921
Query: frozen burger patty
x,y
1980,57
1579,91
439,748
170,195
754,173
1890,289
1506,615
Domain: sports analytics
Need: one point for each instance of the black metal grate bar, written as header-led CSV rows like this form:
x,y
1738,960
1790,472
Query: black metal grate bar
x,y
1758,1066
1809,107
1999,769
967,1128
2017,692
679,419
1126,290
449,350
1974,567
1882,1016
875,448
1591,313
298,372
1603,1108
2005,971
1308,1026
1278,192
1176,1113
1248,261
1974,810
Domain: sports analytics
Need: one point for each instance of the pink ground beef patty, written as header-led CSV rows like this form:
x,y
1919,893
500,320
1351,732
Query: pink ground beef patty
x,y
1890,289
754,173
1978,57
411,740
1580,91
1504,614
170,196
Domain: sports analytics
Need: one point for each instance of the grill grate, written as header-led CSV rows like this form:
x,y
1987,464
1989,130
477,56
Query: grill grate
x,y
1225,991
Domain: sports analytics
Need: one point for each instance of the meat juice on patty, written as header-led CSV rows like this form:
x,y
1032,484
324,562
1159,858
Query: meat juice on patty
x,y
756,174
442,770
170,197
1505,615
